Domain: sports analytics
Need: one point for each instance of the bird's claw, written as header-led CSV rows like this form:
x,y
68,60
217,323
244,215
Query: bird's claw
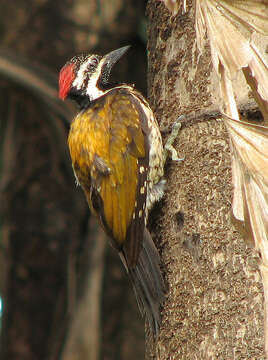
x,y
168,148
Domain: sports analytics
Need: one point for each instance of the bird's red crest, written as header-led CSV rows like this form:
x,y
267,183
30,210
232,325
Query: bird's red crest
x,y
66,78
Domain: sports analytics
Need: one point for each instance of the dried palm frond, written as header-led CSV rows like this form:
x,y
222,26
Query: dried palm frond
x,y
249,145
230,25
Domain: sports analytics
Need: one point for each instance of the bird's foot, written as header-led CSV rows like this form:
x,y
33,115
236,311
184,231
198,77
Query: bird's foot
x,y
169,148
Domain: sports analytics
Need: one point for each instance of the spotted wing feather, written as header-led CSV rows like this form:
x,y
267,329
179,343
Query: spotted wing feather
x,y
108,148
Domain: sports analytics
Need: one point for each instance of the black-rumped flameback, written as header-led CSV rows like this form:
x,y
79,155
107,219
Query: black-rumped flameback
x,y
117,157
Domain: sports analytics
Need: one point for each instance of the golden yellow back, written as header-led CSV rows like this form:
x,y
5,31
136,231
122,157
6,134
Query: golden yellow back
x,y
106,142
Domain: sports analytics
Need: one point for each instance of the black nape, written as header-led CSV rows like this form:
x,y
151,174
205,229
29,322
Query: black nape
x,y
83,101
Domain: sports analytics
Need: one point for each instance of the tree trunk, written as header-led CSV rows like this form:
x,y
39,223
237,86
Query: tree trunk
x,y
214,306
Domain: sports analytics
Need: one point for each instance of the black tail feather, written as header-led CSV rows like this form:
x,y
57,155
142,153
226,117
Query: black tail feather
x,y
148,283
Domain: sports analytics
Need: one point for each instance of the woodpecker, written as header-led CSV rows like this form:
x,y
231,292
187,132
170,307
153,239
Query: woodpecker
x,y
118,159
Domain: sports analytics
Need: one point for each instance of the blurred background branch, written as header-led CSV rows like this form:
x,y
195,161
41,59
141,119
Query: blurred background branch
x,y
53,256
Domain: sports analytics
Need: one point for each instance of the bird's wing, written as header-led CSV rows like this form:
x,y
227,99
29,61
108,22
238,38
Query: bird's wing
x,y
116,154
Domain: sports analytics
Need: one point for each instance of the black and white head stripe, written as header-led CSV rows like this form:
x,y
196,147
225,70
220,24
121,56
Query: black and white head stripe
x,y
88,75
92,73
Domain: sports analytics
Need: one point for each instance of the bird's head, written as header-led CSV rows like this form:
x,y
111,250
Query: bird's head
x,y
86,77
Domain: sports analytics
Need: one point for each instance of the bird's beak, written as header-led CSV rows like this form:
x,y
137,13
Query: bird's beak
x,y
110,60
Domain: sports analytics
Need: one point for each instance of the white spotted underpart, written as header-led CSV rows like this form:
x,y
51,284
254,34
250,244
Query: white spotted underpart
x,y
155,182
151,183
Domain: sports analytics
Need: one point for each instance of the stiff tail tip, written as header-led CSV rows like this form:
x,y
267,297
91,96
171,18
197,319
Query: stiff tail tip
x,y
148,283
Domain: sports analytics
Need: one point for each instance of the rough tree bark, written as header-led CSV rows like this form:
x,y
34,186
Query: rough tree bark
x,y
214,307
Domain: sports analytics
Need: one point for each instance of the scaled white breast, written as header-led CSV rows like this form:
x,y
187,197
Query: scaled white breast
x,y
155,181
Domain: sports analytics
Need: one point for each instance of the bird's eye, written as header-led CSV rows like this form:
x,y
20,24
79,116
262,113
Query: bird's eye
x,y
94,61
